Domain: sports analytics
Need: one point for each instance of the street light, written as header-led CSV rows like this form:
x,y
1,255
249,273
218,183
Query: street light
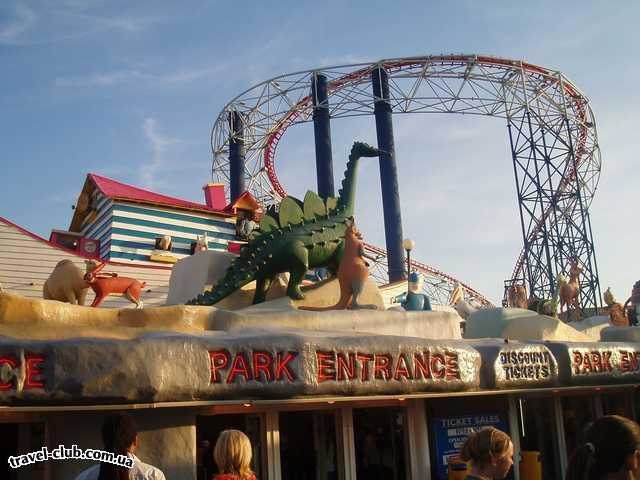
x,y
408,245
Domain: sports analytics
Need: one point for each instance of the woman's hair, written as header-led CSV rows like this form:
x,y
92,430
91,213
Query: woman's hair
x,y
232,454
609,441
485,444
118,434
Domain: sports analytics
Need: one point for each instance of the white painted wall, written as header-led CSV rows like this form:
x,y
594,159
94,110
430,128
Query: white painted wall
x,y
26,262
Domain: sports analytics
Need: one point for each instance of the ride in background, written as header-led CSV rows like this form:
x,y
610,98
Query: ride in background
x,y
551,130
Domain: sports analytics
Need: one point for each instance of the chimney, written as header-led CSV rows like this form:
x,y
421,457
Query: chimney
x,y
214,196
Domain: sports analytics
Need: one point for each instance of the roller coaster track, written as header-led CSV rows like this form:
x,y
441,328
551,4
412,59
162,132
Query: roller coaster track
x,y
555,112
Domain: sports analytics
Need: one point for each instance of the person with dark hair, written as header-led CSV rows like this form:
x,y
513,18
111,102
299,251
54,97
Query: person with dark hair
x,y
120,436
490,452
611,451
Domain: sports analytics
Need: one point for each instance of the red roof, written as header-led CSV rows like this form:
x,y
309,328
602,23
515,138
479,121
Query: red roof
x,y
246,198
121,191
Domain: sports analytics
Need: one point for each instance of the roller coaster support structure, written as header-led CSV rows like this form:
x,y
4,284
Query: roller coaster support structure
x,y
322,134
552,129
555,224
388,174
236,155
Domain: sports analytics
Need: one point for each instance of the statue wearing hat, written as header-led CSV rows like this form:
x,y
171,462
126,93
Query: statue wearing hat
x,y
415,300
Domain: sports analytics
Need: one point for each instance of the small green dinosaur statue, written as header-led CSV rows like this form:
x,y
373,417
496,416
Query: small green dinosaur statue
x,y
549,307
305,235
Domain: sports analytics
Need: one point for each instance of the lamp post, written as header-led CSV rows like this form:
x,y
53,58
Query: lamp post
x,y
408,245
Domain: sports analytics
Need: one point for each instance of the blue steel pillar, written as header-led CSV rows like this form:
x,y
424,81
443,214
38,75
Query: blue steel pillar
x,y
236,155
388,175
322,134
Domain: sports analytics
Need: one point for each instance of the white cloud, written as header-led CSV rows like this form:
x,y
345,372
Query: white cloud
x,y
159,145
22,20
137,77
99,79
90,23
63,21
347,59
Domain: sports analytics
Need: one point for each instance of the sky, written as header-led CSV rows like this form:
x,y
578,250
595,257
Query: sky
x,y
131,90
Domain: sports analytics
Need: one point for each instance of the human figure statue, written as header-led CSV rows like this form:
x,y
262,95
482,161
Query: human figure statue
x,y
245,224
634,303
415,300
248,225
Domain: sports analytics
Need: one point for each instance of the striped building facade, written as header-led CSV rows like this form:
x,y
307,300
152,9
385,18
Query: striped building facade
x,y
127,220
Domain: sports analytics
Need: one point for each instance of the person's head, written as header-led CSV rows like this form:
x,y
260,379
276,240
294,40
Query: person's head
x,y
490,452
120,436
232,453
612,447
415,282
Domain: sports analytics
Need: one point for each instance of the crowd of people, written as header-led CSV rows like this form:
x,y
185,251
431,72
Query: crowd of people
x,y
611,451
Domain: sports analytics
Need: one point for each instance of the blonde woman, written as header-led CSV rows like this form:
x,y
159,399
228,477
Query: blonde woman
x,y
490,452
232,454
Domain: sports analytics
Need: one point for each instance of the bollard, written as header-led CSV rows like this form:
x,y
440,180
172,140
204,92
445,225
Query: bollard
x,y
530,466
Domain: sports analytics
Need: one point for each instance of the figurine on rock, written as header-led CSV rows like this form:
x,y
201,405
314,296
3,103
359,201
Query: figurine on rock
x,y
617,314
107,283
415,300
549,307
456,294
353,273
517,296
633,304
569,292
67,283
